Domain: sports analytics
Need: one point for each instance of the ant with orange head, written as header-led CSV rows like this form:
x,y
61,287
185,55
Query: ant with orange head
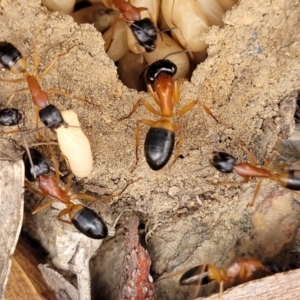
x,y
12,59
143,29
160,139
226,163
83,218
239,272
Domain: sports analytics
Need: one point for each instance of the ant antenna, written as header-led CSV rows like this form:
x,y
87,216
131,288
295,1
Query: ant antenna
x,y
177,52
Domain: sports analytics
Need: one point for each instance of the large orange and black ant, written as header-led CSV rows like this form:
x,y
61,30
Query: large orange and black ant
x,y
12,59
226,163
83,218
160,139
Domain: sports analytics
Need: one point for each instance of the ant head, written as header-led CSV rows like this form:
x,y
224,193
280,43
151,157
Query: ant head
x,y
41,165
160,66
145,33
51,117
223,162
10,116
11,58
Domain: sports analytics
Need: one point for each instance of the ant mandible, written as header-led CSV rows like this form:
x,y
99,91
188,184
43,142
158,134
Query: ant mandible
x,y
143,30
239,272
226,163
160,139
12,59
83,218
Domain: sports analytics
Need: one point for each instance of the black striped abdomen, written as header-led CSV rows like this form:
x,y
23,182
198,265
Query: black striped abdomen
x,y
159,145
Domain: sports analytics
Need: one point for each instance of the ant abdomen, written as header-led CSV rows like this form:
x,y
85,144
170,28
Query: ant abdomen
x,y
10,116
88,222
11,58
159,145
290,179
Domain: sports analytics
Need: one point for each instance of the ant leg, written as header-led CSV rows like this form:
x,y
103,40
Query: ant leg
x,y
271,159
179,146
39,207
13,94
36,60
12,131
208,111
103,198
150,108
84,197
54,61
12,80
250,155
37,117
250,203
34,191
279,167
245,180
107,198
221,290
186,108
70,177
135,107
63,213
137,139
153,94
176,93
56,91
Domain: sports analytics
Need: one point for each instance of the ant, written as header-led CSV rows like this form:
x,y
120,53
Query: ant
x,y
226,163
12,59
239,272
143,30
160,139
83,218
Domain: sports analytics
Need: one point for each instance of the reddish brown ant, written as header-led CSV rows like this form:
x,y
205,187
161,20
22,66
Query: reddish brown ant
x,y
160,139
84,219
12,59
226,163
239,272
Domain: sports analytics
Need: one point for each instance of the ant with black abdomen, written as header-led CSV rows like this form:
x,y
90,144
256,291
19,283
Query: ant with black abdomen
x,y
12,59
241,271
160,139
238,272
226,163
83,218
